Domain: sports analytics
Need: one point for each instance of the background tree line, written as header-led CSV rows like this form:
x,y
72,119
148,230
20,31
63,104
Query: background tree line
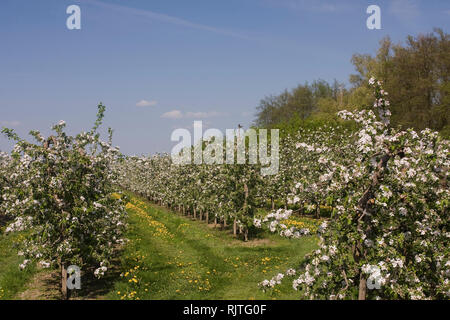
x,y
415,74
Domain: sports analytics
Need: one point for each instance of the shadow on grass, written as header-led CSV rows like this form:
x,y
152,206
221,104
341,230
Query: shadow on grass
x,y
93,288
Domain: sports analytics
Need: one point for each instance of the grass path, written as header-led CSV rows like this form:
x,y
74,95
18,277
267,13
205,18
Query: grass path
x,y
12,279
172,257
168,257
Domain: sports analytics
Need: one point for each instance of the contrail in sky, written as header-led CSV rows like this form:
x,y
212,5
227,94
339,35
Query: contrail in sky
x,y
165,18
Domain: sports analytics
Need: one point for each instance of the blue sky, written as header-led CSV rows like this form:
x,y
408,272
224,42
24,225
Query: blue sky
x,y
159,65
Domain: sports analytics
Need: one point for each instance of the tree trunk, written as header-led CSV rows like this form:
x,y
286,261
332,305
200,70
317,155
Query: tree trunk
x,y
245,209
362,218
273,203
195,212
207,217
63,282
215,222
362,287
234,228
201,214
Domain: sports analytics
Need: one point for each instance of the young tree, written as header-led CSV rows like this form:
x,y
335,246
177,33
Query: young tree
x,y
62,191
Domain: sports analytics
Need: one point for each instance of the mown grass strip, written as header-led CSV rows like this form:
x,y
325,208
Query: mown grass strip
x,y
172,257
12,279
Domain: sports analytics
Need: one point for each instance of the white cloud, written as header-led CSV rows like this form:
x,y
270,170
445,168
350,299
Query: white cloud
x,y
177,114
10,123
196,115
174,114
146,103
321,6
326,7
205,125
199,115
404,10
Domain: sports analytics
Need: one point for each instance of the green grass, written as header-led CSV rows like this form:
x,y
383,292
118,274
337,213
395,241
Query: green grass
x,y
12,279
172,257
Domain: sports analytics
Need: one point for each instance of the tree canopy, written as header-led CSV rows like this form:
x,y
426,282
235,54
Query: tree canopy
x,y
415,74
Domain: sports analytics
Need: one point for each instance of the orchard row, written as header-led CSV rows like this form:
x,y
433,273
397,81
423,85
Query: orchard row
x,y
388,190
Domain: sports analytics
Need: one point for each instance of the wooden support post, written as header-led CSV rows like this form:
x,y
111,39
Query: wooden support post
x,y
63,281
245,209
362,287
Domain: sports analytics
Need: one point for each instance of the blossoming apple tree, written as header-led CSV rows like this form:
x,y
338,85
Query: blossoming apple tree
x,y
388,237
62,192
